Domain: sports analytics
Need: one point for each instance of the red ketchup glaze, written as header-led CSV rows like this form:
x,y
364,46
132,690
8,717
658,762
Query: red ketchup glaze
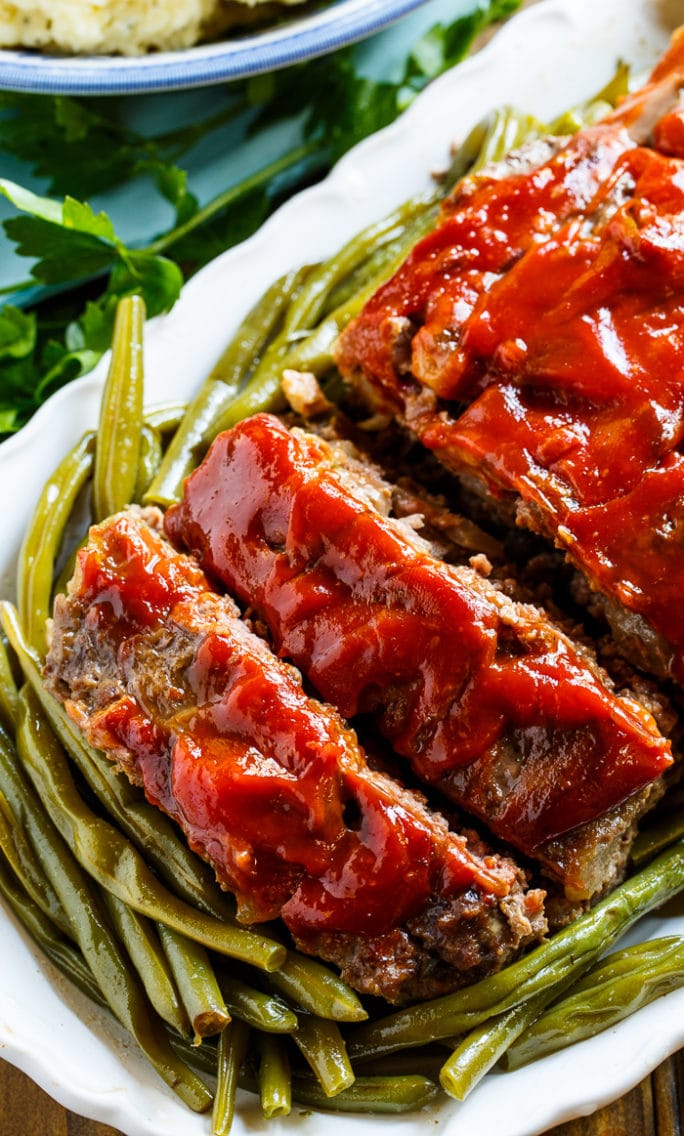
x,y
260,777
378,626
549,310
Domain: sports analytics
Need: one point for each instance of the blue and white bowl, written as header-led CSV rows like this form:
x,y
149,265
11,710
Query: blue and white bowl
x,y
297,38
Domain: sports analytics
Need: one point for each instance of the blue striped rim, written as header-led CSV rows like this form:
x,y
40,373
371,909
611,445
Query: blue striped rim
x,y
298,39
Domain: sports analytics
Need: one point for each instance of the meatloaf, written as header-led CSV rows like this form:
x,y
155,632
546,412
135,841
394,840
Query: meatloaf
x,y
270,786
534,341
489,701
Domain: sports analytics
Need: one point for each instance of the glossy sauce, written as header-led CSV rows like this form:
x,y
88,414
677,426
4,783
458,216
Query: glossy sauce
x,y
449,668
268,785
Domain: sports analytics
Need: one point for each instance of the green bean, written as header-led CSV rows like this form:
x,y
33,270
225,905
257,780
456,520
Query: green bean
x,y
317,989
608,994
196,982
198,425
369,1094
232,1048
149,460
480,1050
121,414
426,1061
254,1007
644,956
95,937
505,129
21,855
114,862
659,836
145,825
308,306
61,953
383,1094
139,938
166,417
322,1045
202,1057
8,689
258,327
275,1080
188,444
35,566
588,937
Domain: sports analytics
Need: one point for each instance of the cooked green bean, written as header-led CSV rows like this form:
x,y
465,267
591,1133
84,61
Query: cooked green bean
x,y
656,838
202,1057
308,306
232,1048
8,690
121,414
620,986
504,129
588,937
19,852
275,1079
148,828
112,860
322,1045
93,933
427,1061
166,417
258,328
198,425
253,1006
196,982
317,989
35,566
188,445
141,942
369,1094
61,953
642,955
149,460
480,1050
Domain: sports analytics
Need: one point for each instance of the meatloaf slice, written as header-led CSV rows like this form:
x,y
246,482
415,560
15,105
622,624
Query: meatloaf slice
x,y
269,785
534,341
488,700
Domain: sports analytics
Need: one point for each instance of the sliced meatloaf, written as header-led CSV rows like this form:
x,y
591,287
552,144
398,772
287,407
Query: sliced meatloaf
x,y
270,786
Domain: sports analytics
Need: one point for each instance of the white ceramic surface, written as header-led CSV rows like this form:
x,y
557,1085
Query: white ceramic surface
x,y
297,37
544,60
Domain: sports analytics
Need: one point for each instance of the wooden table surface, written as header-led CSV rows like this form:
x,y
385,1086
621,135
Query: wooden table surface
x,y
653,1108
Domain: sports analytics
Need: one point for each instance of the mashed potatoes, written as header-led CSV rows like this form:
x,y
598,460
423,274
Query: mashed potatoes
x,y
126,27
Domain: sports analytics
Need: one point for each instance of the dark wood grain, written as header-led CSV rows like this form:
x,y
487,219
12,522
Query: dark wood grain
x,y
653,1108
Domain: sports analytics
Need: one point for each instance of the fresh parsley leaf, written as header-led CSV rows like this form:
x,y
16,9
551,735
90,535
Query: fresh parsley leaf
x,y
17,333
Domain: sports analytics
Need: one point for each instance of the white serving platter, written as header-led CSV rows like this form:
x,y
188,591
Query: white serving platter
x,y
547,58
